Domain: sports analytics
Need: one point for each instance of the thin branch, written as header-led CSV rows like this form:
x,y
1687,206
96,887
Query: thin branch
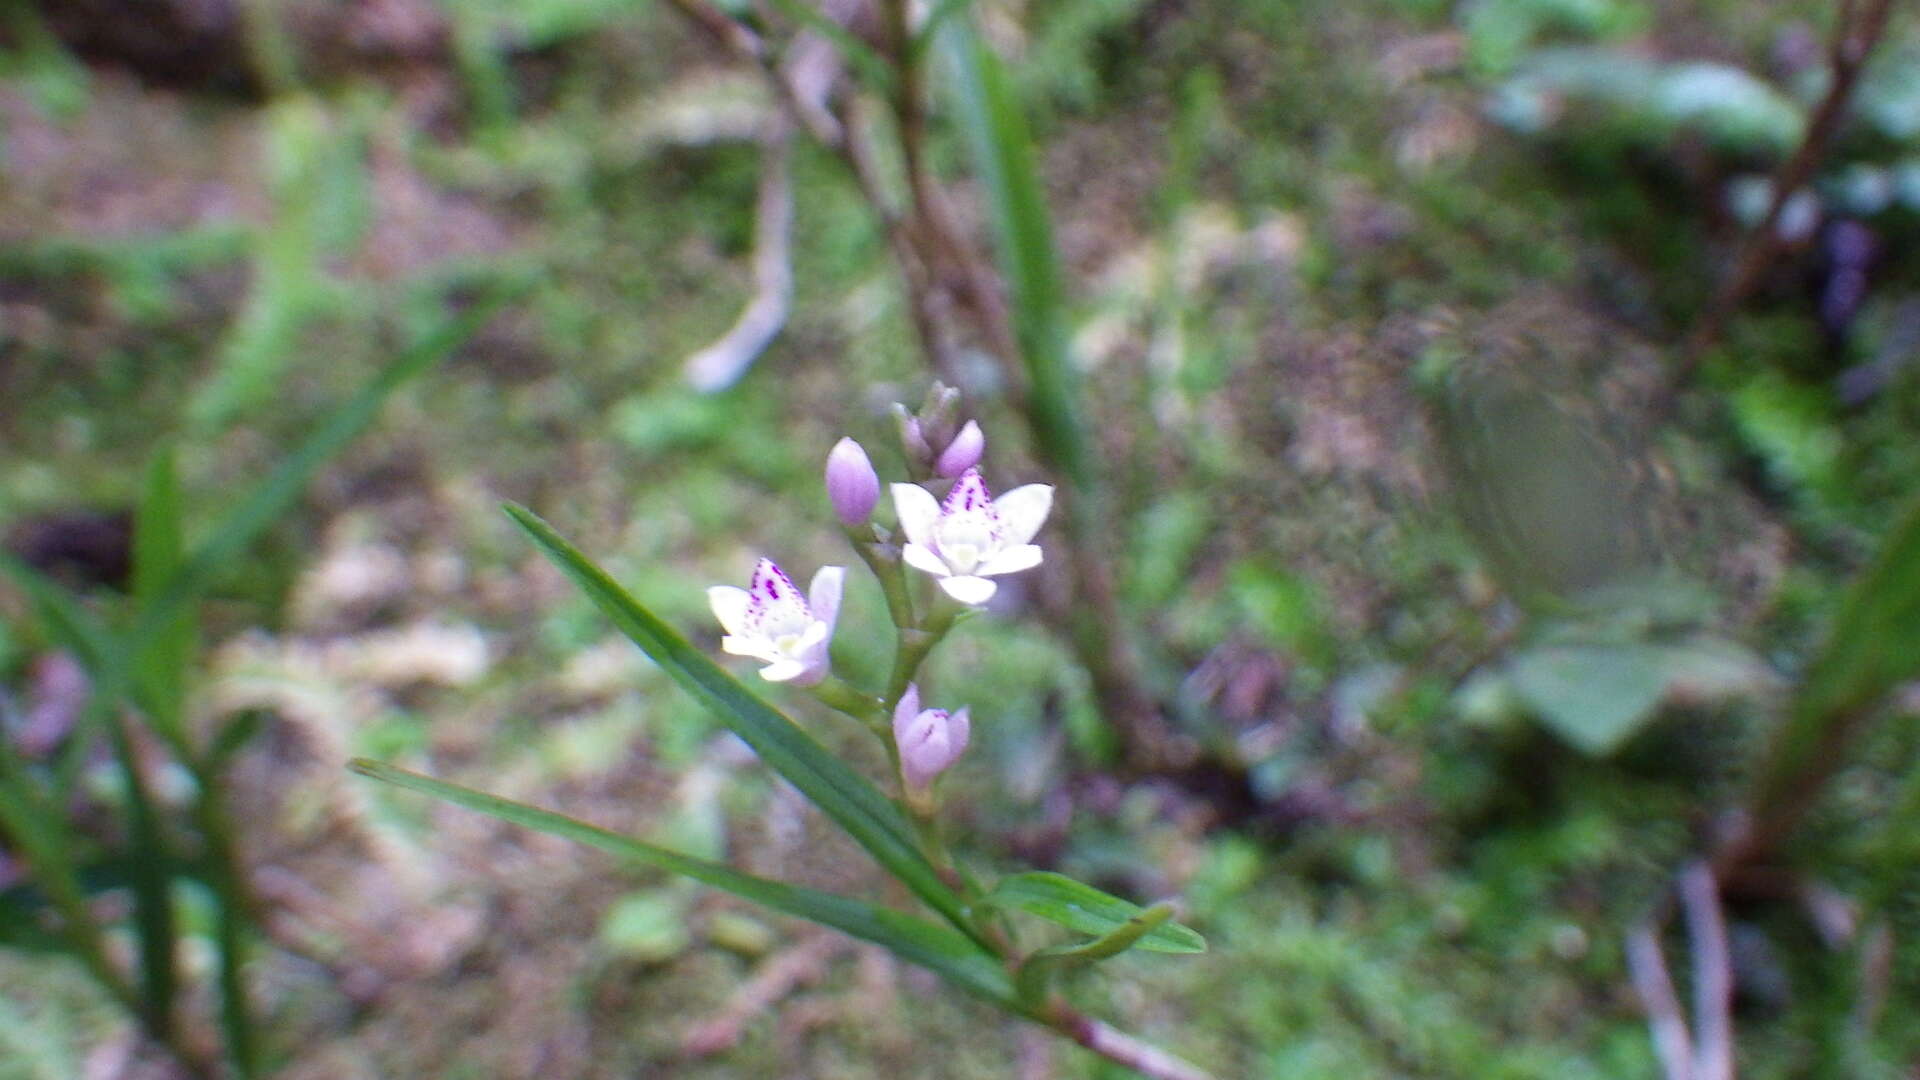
x,y
1123,1049
1712,973
1876,977
1857,31
1648,965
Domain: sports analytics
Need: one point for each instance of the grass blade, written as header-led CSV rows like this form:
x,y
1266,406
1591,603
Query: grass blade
x,y
159,546
1003,153
842,794
949,954
1873,647
277,493
41,837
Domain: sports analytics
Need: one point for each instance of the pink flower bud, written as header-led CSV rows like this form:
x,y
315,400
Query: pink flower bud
x,y
930,740
963,452
852,485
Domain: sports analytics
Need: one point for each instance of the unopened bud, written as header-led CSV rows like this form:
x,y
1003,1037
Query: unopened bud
x,y
963,452
913,440
852,485
930,740
940,414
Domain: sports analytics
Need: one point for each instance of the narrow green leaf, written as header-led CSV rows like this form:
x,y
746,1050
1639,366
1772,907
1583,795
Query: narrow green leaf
x,y
948,954
1873,647
1038,969
930,30
159,546
276,494
1085,909
43,839
842,794
72,627
1004,156
152,866
1114,942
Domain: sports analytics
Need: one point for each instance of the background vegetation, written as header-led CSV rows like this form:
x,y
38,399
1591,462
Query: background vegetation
x,y
1486,530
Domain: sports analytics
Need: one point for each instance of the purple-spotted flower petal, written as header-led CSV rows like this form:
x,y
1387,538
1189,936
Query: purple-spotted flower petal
x,y
770,621
972,537
930,740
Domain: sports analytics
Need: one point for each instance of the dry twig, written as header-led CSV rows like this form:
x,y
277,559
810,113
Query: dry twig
x,y
1858,29
721,364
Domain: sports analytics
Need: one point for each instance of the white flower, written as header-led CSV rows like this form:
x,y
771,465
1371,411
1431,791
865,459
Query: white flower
x,y
972,536
930,740
770,621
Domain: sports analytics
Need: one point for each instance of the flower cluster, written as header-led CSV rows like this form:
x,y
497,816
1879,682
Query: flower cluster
x,y
962,540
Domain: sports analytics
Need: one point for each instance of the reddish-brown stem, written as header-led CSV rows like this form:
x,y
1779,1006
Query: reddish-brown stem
x,y
1857,31
1119,1047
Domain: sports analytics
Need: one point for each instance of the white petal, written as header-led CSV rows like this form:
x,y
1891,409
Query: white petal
x,y
1011,561
729,606
1022,511
783,671
812,640
969,590
921,558
823,595
743,646
917,511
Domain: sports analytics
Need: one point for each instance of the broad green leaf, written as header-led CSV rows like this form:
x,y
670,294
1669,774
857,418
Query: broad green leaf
x,y
1004,156
949,954
842,794
1085,909
1593,695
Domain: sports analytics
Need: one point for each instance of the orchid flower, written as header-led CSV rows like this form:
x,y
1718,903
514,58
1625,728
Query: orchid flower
x,y
972,536
770,621
930,740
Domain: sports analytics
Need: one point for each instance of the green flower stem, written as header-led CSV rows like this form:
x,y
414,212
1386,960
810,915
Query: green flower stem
x,y
883,558
838,694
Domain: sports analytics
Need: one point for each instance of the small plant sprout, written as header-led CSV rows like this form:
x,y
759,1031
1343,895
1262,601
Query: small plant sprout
x,y
852,486
929,740
770,621
963,452
981,936
971,537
